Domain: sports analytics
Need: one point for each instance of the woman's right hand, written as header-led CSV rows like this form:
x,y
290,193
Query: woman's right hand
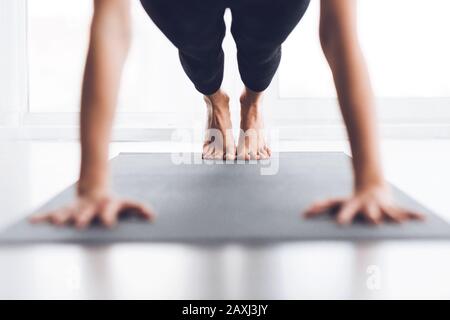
x,y
85,208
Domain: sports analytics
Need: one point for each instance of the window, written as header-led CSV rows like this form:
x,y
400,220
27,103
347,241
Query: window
x,y
59,33
403,41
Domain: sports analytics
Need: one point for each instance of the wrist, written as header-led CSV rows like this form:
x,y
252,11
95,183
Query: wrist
x,y
366,182
92,188
369,179
368,172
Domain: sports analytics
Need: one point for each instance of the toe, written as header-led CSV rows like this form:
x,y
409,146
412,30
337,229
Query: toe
x,y
263,155
241,153
208,151
230,156
218,155
253,155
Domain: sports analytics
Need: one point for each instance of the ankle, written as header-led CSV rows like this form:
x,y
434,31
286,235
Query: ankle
x,y
218,99
251,99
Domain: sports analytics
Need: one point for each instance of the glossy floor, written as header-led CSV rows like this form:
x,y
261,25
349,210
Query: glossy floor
x,y
33,172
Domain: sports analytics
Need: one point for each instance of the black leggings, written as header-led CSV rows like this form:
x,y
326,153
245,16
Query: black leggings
x,y
197,29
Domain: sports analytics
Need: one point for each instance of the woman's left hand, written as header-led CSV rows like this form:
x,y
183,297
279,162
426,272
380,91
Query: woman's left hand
x,y
375,203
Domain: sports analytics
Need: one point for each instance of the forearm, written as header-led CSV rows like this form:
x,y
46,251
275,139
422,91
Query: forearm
x,y
339,39
106,56
358,109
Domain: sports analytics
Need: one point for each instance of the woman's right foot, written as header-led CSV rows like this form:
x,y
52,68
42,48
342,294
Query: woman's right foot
x,y
219,142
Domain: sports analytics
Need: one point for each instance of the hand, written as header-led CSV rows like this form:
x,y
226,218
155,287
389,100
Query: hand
x,y
85,208
374,203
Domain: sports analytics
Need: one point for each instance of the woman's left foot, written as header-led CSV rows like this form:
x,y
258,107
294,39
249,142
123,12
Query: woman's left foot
x,y
252,143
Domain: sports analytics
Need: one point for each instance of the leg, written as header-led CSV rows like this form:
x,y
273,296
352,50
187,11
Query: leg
x,y
197,29
259,29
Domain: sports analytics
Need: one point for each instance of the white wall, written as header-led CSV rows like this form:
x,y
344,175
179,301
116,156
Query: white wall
x,y
13,82
405,42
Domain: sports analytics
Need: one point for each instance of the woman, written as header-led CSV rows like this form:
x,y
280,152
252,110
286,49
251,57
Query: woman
x,y
196,28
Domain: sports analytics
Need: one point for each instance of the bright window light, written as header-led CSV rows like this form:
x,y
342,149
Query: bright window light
x,y
405,43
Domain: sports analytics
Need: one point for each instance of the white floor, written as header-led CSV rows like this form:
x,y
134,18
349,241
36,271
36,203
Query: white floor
x,y
31,173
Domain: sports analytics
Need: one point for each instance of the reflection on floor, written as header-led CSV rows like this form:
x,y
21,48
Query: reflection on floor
x,y
31,173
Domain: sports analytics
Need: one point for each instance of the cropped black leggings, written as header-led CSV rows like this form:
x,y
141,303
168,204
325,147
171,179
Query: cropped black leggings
x,y
197,29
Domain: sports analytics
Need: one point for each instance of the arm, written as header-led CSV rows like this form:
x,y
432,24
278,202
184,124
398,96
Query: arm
x,y
110,37
108,48
339,39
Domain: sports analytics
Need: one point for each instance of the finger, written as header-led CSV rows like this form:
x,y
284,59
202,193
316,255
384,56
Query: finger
x,y
56,216
322,206
326,204
61,217
373,213
138,208
40,218
394,214
415,215
109,213
401,215
85,216
348,212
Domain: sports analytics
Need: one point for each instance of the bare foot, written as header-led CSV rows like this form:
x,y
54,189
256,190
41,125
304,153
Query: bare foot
x,y
219,142
252,143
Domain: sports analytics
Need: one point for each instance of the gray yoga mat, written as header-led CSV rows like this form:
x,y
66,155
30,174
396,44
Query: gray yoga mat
x,y
238,202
